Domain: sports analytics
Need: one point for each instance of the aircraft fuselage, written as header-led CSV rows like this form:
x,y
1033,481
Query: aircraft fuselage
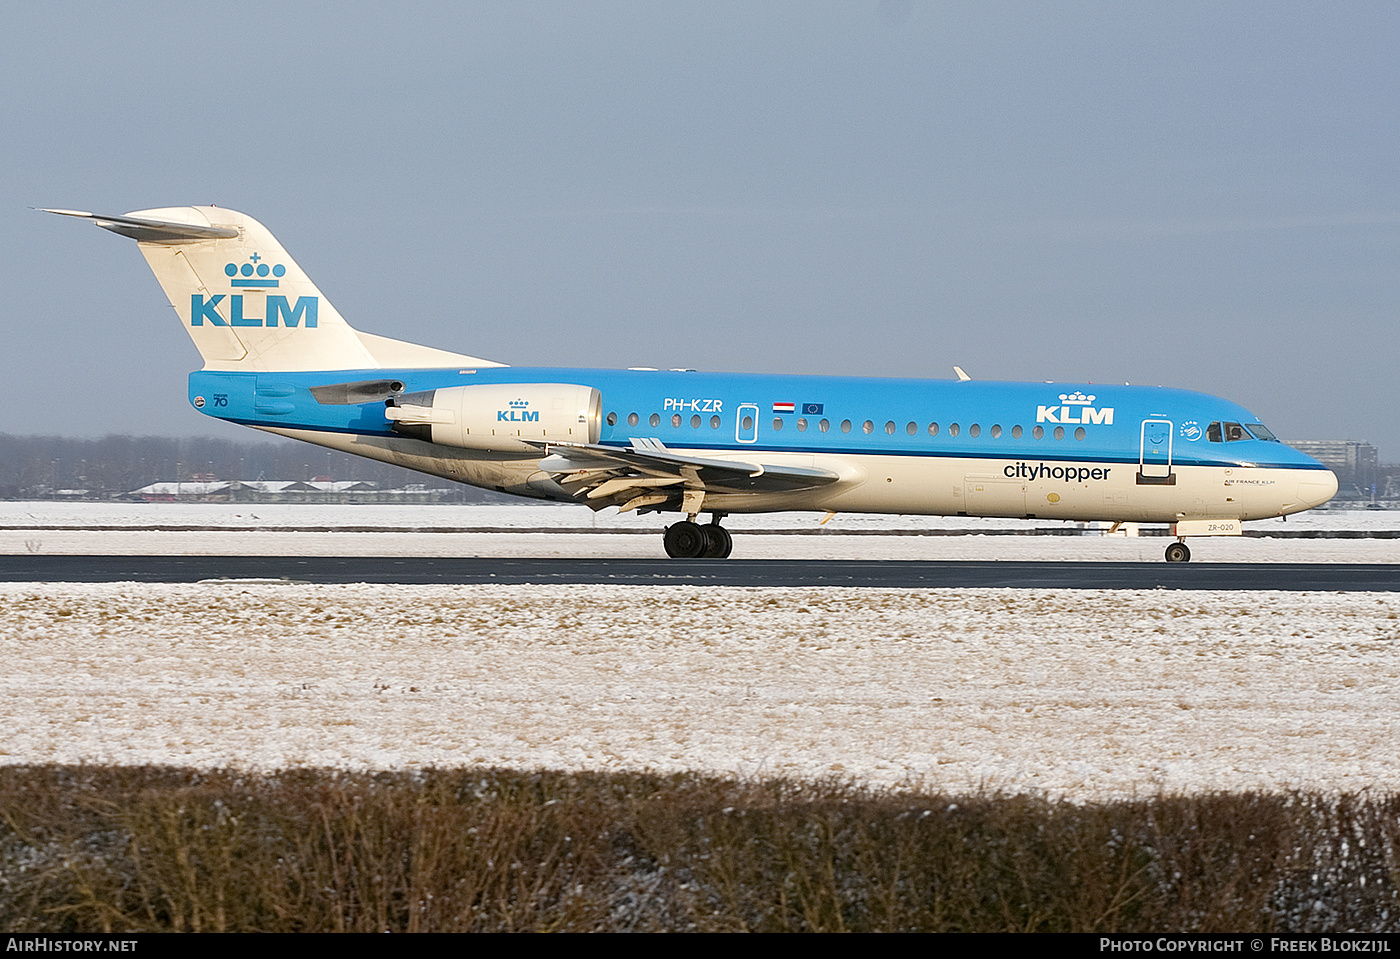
x,y
942,447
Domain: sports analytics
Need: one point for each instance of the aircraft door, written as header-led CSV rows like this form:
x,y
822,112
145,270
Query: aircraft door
x,y
1155,454
746,424
993,495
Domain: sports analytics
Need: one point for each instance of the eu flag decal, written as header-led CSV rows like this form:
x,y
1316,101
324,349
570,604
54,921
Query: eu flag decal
x,y
813,409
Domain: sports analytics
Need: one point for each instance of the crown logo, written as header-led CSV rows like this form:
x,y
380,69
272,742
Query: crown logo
x,y
254,273
1076,399
519,404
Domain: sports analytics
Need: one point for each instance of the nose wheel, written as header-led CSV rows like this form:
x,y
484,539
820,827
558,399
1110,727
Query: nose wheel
x,y
689,540
1178,553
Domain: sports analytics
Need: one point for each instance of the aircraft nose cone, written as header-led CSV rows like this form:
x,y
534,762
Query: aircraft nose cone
x,y
1318,488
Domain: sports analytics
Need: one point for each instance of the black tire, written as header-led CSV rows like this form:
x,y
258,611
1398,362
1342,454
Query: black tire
x,y
718,543
1178,553
685,540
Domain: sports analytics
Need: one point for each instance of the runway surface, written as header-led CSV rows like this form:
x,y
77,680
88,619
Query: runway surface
x,y
897,574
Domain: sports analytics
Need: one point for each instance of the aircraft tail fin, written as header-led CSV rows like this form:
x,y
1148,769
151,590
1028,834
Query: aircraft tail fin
x,y
246,303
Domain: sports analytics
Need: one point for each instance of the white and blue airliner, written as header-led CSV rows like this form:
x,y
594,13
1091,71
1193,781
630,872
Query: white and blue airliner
x,y
279,358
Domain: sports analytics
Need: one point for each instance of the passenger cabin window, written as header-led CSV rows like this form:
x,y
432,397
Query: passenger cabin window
x,y
655,419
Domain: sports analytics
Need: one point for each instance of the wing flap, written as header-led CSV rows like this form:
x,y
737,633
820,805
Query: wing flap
x,y
610,471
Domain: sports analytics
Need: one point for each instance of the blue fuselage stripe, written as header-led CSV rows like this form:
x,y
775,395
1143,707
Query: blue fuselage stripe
x,y
1099,424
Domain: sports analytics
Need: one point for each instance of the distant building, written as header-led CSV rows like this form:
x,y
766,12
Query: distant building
x,y
252,491
1388,486
1357,465
287,491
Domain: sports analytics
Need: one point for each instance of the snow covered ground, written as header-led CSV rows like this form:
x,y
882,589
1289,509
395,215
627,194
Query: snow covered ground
x,y
1091,694
531,515
563,531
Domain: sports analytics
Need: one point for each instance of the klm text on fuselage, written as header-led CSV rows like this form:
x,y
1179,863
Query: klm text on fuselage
x,y
1074,414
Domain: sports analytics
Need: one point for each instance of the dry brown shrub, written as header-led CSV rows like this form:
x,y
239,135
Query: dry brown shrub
x,y
120,849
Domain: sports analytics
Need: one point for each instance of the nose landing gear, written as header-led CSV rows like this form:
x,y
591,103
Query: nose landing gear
x,y
690,540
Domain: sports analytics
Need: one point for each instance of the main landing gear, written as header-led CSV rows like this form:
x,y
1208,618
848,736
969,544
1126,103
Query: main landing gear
x,y
690,540
1178,553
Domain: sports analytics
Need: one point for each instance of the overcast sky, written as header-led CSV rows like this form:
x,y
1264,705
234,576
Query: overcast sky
x,y
1203,195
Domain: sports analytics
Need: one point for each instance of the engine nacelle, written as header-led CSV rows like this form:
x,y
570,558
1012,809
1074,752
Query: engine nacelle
x,y
500,417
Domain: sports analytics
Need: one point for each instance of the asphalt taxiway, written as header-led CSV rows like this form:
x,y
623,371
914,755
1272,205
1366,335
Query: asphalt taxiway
x,y
898,574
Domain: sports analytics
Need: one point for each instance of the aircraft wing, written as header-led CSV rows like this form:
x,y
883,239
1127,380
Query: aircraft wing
x,y
647,473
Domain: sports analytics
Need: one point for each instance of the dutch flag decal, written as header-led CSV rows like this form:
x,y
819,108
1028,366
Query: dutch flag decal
x,y
784,407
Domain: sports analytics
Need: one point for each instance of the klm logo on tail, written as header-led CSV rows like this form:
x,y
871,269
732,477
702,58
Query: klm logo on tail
x,y
304,311
259,275
254,273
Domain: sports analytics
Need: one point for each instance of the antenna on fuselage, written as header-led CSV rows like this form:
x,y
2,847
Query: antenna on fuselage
x,y
962,377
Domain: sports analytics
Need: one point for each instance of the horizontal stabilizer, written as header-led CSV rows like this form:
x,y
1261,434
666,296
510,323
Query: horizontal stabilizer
x,y
153,231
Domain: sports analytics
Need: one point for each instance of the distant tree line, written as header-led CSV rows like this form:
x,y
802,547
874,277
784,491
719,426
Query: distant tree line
x,y
38,465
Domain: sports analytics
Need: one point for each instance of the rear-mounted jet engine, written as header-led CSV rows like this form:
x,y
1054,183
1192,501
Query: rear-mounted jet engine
x,y
502,418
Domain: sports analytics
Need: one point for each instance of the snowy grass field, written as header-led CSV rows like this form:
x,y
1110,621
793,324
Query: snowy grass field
x,y
1082,694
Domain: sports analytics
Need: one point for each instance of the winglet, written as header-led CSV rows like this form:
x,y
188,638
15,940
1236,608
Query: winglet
x,y
962,377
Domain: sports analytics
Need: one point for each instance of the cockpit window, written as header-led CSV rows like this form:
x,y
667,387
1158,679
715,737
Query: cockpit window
x,y
1232,432
1261,432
